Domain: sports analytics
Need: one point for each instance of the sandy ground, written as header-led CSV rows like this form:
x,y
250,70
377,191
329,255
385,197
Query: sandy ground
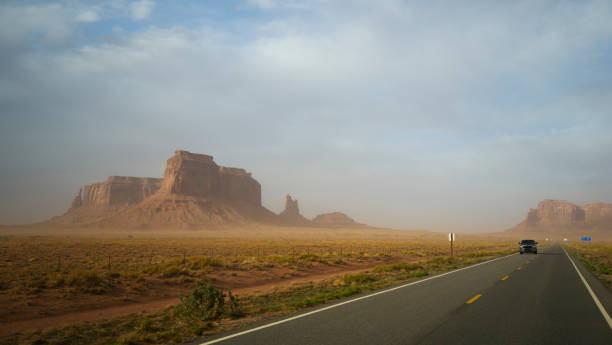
x,y
239,287
57,311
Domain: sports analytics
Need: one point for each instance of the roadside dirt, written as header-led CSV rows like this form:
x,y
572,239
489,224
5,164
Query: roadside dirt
x,y
62,313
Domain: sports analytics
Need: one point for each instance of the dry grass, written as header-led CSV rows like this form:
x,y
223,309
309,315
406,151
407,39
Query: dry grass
x,y
597,258
36,283
31,264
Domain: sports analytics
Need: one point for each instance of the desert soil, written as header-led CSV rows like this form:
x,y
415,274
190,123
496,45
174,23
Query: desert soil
x,y
61,313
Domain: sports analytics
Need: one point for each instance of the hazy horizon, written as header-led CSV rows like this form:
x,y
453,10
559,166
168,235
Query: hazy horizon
x,y
410,115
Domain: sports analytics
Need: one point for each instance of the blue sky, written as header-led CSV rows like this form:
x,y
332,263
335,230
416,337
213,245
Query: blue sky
x,y
409,114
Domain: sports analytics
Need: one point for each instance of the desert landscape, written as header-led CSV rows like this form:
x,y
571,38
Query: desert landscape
x,y
118,265
129,246
305,172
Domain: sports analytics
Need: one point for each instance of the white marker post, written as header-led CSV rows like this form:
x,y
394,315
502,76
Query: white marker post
x,y
451,238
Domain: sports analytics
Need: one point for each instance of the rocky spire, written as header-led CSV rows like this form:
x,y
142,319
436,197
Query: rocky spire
x,y
291,207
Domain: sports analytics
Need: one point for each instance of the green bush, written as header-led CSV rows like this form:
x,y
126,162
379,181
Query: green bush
x,y
235,312
145,325
604,270
421,274
203,303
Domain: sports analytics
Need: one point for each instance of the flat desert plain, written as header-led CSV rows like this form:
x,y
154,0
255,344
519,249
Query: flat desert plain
x,y
70,285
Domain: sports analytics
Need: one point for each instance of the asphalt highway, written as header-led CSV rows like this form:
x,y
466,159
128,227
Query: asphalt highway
x,y
517,299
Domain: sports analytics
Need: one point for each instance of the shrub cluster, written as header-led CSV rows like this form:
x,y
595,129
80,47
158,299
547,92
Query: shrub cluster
x,y
205,303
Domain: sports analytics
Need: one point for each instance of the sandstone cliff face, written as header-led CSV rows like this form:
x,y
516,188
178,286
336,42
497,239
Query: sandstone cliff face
x,y
102,199
119,191
237,184
562,216
336,219
190,174
599,213
555,212
198,175
194,193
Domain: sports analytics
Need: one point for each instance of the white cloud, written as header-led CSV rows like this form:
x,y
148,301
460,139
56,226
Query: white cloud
x,y
18,23
87,16
141,9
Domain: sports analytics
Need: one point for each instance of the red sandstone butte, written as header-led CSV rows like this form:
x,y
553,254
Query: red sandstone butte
x,y
559,216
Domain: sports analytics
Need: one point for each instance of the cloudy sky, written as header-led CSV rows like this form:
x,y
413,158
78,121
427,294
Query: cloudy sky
x,y
409,114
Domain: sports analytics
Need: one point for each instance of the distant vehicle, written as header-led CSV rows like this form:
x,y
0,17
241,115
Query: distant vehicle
x,y
528,246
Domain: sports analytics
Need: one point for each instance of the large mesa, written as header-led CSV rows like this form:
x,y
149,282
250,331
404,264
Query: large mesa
x,y
560,216
194,193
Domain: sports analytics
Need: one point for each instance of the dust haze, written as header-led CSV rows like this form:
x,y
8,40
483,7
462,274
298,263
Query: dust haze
x,y
365,108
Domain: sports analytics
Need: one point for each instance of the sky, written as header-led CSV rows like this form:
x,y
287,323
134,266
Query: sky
x,y
407,114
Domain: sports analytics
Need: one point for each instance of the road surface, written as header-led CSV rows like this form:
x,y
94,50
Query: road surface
x,y
517,299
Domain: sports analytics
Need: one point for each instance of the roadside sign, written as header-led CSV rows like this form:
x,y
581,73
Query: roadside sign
x,y
586,239
451,236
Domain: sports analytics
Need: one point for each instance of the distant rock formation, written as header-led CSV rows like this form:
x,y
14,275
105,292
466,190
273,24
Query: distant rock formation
x,y
598,214
102,199
197,175
194,193
119,191
336,219
562,216
291,213
291,207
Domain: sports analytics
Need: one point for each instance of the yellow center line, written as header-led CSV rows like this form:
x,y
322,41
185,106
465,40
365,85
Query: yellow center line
x,y
505,277
473,299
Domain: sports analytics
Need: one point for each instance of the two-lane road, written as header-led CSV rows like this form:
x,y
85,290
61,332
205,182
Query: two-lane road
x,y
518,299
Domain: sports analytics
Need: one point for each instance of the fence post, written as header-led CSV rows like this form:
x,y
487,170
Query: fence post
x,y
109,263
59,263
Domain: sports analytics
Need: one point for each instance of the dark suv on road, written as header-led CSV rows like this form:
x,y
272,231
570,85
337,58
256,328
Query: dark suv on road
x,y
528,246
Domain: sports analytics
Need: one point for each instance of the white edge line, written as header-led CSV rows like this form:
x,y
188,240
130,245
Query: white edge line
x,y
346,302
595,299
